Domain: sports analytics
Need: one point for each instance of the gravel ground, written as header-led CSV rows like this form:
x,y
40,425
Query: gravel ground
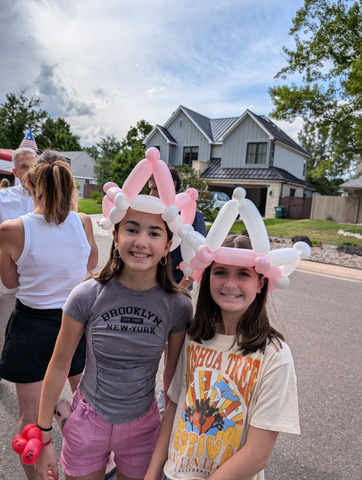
x,y
325,254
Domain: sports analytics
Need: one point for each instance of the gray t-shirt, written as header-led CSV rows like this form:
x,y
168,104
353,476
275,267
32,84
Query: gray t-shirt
x,y
126,333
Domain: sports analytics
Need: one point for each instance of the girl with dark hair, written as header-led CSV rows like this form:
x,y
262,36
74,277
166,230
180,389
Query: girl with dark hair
x,y
45,254
234,387
128,311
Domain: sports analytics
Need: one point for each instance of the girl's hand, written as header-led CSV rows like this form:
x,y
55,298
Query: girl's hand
x,y
47,463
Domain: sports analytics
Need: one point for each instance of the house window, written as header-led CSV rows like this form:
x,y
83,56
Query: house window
x,y
256,154
292,192
190,154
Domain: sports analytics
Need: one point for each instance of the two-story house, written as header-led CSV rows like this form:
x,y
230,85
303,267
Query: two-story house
x,y
82,165
248,151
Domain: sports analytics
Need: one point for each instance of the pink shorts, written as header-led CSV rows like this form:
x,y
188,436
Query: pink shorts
x,y
89,439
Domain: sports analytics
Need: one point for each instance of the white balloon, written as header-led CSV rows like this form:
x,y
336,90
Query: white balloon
x,y
255,226
185,230
187,252
170,213
176,240
288,269
239,194
105,224
120,201
281,256
115,216
175,225
222,225
147,204
303,249
195,239
282,282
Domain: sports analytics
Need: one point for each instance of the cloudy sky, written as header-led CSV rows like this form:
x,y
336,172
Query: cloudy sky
x,y
105,64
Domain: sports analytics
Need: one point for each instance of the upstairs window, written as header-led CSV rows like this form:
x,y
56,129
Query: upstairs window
x,y
190,154
256,154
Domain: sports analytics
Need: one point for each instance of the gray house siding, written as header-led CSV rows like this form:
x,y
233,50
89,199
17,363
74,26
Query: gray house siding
x,y
187,136
235,144
216,151
158,140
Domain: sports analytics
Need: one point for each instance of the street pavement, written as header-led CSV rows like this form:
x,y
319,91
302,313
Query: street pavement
x,y
320,314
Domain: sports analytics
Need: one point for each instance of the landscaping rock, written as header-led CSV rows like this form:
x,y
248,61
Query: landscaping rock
x,y
350,249
301,238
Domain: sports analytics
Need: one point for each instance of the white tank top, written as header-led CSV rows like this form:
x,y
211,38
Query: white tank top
x,y
54,260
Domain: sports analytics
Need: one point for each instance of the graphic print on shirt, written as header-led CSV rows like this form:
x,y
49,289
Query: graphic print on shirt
x,y
131,319
211,423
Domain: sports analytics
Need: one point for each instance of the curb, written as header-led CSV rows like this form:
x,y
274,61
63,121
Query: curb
x,y
326,269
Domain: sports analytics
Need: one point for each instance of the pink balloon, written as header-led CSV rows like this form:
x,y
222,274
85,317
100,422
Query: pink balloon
x,y
274,273
204,255
108,185
194,194
197,265
262,264
182,200
188,214
107,206
241,257
137,179
164,182
153,154
112,192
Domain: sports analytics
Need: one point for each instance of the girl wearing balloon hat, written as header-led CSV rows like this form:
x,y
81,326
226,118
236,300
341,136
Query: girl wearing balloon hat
x,y
129,310
45,253
234,388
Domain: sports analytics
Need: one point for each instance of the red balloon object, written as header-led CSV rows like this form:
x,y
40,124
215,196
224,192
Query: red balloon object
x,y
19,443
34,432
31,451
26,429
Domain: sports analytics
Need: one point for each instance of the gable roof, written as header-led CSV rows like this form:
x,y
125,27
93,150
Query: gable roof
x,y
266,174
216,130
355,183
75,155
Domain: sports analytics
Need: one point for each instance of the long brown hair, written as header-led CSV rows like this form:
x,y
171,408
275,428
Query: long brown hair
x,y
52,186
253,329
115,264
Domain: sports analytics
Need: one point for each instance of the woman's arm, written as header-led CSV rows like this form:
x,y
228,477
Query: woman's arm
x,y
159,455
88,227
11,247
57,372
251,458
175,342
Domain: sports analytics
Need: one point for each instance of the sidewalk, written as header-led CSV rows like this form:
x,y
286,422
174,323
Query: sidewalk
x,y
325,269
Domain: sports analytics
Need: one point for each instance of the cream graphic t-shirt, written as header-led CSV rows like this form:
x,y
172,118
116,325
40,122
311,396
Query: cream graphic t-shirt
x,y
220,392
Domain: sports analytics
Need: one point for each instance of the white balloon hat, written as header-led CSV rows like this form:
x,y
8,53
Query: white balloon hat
x,y
117,200
199,252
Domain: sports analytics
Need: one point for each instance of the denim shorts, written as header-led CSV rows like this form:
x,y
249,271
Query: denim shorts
x,y
88,440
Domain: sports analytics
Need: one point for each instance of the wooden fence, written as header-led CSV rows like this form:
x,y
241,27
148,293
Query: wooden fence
x,y
296,208
340,209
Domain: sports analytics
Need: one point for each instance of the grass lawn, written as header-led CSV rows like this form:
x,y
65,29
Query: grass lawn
x,y
88,205
317,230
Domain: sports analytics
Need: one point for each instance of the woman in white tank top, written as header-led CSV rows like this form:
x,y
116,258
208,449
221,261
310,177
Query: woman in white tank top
x,y
45,254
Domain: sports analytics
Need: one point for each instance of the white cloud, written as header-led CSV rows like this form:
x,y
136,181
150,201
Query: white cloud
x,y
104,65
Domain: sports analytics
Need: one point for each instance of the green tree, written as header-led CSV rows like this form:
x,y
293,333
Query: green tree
x,y
131,152
17,114
56,135
190,179
320,149
108,148
328,56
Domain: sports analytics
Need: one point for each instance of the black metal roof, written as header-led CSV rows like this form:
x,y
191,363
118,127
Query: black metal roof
x,y
278,134
214,171
167,134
